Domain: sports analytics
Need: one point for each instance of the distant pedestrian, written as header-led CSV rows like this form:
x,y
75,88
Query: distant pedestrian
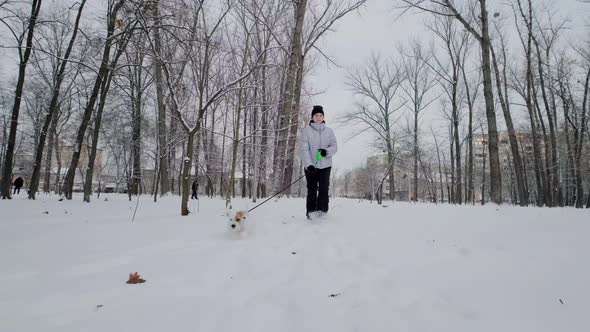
x,y
18,183
195,189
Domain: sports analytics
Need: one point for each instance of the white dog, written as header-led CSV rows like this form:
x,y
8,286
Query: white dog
x,y
237,220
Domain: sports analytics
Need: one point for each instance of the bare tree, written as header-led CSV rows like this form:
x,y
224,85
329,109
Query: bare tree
x,y
136,79
126,31
377,85
525,90
24,53
547,92
449,74
101,76
471,94
160,86
477,23
53,104
440,172
503,96
4,133
417,86
575,116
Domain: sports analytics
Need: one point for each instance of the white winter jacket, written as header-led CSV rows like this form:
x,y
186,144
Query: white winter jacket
x,y
318,136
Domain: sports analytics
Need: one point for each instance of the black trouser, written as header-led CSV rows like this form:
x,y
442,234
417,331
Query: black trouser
x,y
194,195
318,184
16,190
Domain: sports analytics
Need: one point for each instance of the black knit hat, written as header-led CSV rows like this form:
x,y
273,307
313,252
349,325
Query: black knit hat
x,y
317,109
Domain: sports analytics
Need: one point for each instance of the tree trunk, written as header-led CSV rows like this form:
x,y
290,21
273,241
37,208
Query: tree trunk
x,y
483,180
156,176
553,175
294,129
254,157
162,129
452,197
136,128
49,154
442,192
209,157
539,174
580,145
244,158
511,188
552,143
390,161
222,168
187,161
505,104
4,141
415,154
235,145
58,185
286,106
495,173
197,154
449,194
171,154
571,147
469,195
265,132
458,194
548,193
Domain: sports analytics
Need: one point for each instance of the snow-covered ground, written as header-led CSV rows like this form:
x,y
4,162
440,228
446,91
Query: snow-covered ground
x,y
403,267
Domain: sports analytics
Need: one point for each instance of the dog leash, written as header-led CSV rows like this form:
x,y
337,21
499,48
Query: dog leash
x,y
318,157
287,187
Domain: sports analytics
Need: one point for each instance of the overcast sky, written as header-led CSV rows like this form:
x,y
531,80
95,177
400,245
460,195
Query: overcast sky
x,y
373,30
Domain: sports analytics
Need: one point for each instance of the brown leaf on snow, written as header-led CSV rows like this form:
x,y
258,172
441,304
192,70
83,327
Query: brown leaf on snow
x,y
134,278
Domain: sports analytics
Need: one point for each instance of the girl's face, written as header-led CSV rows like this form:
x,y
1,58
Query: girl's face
x,y
318,118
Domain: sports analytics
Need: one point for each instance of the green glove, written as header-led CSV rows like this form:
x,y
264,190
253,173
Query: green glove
x,y
318,156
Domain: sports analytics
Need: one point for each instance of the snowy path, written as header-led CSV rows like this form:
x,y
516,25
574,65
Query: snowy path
x,y
364,268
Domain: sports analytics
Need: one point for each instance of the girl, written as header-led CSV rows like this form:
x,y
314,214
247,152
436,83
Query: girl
x,y
318,146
